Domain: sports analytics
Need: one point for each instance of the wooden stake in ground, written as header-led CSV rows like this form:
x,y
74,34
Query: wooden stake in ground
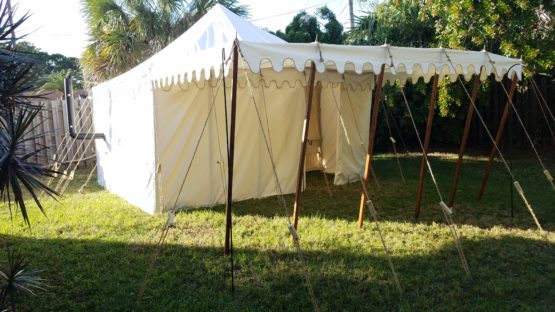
x,y
304,141
498,137
424,160
371,139
231,151
464,139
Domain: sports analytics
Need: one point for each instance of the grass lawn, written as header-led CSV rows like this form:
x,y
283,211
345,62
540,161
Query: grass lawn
x,y
96,249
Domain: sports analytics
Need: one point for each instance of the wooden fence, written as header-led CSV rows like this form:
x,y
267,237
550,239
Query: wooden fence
x,y
534,116
50,134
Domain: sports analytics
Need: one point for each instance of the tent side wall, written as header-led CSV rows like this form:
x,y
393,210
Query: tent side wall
x,y
181,114
191,135
126,159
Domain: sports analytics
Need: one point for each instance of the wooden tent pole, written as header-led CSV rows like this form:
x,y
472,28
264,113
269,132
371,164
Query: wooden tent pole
x,y
371,139
431,111
230,156
469,114
502,124
304,141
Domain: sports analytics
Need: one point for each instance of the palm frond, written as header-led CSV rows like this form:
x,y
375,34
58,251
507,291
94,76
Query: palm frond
x,y
18,175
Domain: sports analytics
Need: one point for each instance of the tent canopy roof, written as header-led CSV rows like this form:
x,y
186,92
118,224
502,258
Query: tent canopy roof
x,y
198,52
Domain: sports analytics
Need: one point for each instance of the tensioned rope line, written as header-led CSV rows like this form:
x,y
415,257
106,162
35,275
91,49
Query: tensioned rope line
x,y
60,150
515,183
545,170
221,161
63,150
80,191
446,210
166,227
361,144
75,161
391,138
544,114
369,203
82,154
291,12
68,173
269,137
547,122
75,155
535,85
542,102
390,114
294,234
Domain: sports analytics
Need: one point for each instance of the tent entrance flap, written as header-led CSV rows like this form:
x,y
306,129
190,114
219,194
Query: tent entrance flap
x,y
313,160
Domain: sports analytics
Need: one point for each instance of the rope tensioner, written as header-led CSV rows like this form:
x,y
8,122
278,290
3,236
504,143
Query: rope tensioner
x,y
371,207
445,208
171,217
293,232
516,184
520,192
549,178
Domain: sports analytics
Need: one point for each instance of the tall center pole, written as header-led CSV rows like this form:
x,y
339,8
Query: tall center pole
x,y
304,140
371,139
464,139
227,245
431,111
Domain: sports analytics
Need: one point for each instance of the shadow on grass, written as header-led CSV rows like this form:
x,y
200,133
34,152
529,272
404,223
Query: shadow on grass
x,y
396,201
94,275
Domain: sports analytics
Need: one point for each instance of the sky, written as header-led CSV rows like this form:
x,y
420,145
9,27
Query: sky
x,y
57,26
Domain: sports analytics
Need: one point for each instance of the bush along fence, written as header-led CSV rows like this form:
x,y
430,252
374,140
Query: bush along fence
x,y
50,135
534,101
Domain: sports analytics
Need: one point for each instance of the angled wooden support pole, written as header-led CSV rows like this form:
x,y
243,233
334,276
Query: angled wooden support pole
x,y
304,141
371,139
498,137
424,160
469,114
231,152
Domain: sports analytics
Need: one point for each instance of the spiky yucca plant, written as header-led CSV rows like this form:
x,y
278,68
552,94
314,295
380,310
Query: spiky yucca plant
x,y
17,280
19,176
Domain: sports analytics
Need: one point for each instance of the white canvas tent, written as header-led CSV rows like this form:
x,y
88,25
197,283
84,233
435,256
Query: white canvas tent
x,y
171,107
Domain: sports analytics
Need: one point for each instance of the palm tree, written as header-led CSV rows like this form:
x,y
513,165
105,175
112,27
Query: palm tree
x,y
123,33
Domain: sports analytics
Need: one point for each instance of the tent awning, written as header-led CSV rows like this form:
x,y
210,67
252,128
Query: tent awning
x,y
400,63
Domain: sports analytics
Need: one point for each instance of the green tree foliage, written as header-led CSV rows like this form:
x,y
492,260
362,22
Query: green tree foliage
x,y
517,28
123,33
50,69
307,28
394,22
